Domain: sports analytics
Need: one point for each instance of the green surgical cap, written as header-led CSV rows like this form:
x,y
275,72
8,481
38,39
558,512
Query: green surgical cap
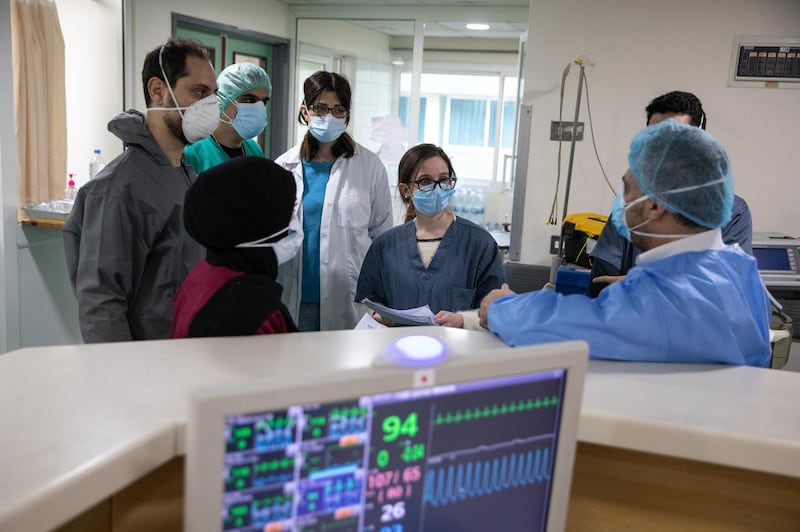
x,y
685,170
239,78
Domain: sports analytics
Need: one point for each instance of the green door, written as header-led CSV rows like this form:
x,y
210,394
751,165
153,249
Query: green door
x,y
209,39
226,49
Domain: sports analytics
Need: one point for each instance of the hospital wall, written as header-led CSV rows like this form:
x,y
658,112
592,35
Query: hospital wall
x,y
642,49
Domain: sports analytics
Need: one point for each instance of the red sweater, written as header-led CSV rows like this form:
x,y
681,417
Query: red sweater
x,y
202,283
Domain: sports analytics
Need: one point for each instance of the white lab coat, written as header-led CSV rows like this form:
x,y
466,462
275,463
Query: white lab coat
x,y
357,208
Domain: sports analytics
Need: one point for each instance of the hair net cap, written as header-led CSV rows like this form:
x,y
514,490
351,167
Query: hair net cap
x,y
240,200
239,78
685,170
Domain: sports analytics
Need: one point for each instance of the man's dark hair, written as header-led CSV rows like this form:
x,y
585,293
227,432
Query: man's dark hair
x,y
173,57
681,103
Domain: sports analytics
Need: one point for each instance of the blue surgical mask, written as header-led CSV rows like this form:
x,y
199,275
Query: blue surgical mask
x,y
250,120
433,201
326,128
618,210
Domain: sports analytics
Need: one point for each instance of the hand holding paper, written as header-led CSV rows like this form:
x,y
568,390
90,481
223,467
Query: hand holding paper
x,y
413,316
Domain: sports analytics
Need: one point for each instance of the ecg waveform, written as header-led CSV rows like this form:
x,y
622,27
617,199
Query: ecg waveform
x,y
453,483
513,407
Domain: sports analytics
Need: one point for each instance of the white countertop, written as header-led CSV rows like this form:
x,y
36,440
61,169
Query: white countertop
x,y
731,415
81,422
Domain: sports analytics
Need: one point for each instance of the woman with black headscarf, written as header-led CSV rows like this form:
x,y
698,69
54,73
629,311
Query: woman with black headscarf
x,y
240,211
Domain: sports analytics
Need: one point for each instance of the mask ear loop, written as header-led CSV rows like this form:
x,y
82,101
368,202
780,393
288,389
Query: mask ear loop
x,y
261,241
229,120
166,80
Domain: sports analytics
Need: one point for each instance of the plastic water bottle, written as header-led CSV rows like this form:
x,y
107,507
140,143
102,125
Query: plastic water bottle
x,y
480,208
458,203
70,191
96,164
472,205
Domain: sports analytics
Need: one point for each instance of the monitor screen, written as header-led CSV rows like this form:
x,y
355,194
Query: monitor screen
x,y
772,258
461,456
481,440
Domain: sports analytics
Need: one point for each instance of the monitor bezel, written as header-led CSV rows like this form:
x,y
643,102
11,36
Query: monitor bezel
x,y
209,409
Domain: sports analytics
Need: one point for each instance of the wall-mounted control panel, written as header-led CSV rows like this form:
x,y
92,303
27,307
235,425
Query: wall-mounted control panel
x,y
769,62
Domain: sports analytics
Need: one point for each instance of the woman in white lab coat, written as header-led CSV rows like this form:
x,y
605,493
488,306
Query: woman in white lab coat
x,y
345,203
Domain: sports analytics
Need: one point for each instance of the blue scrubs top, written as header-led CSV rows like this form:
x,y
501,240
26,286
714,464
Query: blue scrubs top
x,y
466,267
315,182
207,153
702,307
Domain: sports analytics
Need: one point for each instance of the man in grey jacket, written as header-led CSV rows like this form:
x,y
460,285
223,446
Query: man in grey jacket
x,y
125,244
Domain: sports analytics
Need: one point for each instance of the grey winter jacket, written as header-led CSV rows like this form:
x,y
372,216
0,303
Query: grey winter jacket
x,y
125,244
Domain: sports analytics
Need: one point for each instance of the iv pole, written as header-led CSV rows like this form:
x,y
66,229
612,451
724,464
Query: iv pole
x,y
558,260
582,66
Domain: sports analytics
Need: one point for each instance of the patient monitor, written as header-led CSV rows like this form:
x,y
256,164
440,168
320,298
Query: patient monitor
x,y
777,256
484,441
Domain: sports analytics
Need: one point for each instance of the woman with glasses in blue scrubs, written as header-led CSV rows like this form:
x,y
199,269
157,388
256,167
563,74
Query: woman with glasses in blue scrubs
x,y
435,258
344,204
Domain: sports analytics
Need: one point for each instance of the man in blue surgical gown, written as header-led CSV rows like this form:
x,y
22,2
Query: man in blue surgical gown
x,y
690,298
613,256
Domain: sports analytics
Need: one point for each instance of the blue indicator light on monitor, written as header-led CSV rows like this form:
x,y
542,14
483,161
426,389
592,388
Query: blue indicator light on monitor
x,y
417,350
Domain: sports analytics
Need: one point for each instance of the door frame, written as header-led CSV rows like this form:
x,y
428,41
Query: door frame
x,y
280,98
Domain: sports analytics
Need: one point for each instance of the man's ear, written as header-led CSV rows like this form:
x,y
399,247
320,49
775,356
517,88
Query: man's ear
x,y
157,90
652,210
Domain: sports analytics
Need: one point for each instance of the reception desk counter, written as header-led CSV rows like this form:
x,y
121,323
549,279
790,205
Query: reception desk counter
x,y
93,436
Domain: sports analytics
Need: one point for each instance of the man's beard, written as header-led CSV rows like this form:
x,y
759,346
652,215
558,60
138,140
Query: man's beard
x,y
175,126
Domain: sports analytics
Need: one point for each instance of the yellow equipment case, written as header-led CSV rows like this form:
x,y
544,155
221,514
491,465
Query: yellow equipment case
x,y
580,233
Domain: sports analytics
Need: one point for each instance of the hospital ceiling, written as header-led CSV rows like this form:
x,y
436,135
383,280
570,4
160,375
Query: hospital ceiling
x,y
443,18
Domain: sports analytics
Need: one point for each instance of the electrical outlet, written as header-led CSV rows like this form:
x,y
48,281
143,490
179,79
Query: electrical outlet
x,y
555,240
564,131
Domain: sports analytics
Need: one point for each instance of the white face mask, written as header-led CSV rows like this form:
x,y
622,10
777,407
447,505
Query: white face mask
x,y
200,119
285,248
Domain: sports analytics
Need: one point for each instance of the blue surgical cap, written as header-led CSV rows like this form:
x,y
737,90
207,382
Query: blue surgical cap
x,y
685,170
239,78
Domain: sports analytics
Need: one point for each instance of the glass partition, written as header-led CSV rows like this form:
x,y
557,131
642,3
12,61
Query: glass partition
x,y
468,89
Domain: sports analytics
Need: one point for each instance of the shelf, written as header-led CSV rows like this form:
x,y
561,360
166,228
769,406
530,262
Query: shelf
x,y
43,222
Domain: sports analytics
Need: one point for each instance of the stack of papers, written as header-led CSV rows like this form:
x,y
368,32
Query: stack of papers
x,y
368,322
412,316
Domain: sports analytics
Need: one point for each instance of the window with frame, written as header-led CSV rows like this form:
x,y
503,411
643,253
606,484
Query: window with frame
x,y
460,113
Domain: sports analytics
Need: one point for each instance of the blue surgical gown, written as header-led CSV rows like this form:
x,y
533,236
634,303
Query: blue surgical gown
x,y
466,267
703,307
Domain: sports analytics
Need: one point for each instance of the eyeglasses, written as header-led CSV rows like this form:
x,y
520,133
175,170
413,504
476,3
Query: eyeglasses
x,y
322,109
426,184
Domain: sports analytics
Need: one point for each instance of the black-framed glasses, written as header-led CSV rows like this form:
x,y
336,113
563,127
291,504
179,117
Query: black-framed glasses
x,y
426,184
322,109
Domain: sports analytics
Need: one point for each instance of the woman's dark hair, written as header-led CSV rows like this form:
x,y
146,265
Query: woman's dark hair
x,y
174,54
409,166
317,83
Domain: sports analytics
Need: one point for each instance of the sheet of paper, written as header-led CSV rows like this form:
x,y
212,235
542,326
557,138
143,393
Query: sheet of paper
x,y
368,322
412,316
